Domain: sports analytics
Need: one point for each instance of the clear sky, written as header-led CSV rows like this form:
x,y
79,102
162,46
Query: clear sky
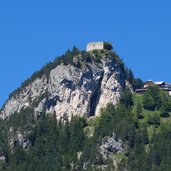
x,y
34,32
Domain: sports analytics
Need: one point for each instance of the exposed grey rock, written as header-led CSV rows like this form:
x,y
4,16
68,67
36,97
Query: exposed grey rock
x,y
40,108
18,136
108,149
23,140
71,90
129,86
24,98
2,158
111,145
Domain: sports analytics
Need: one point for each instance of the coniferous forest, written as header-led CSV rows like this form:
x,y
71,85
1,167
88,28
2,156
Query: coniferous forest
x,y
142,122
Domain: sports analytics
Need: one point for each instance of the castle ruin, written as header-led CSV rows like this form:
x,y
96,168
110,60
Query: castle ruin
x,y
99,46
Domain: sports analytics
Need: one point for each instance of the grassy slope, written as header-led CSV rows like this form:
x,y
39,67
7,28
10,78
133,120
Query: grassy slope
x,y
138,98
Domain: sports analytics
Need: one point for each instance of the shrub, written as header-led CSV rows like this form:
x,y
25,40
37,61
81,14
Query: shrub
x,y
164,114
108,46
126,98
153,119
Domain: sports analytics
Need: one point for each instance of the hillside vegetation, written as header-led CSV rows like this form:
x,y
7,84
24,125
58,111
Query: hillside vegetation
x,y
62,145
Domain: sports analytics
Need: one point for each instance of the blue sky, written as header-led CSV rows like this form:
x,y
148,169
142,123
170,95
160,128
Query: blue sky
x,y
33,33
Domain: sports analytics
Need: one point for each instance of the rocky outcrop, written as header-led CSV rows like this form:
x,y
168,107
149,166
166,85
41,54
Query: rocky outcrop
x,y
110,146
25,98
18,137
71,90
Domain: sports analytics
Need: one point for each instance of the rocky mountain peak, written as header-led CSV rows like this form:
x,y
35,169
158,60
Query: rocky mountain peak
x,y
77,83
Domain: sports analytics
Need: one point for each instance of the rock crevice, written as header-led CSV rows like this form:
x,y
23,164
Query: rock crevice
x,y
96,96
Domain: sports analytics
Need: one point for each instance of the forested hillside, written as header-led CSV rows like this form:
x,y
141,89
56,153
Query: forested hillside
x,y
140,129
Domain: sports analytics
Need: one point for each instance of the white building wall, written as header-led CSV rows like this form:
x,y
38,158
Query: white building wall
x,y
170,93
95,45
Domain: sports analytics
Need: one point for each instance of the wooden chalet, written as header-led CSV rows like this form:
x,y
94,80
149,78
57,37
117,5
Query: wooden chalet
x,y
163,86
148,83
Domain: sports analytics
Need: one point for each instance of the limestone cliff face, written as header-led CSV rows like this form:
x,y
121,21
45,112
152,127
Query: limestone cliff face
x,y
71,90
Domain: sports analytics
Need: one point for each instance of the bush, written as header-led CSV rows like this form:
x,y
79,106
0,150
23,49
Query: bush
x,y
164,114
126,98
152,98
148,102
108,46
153,119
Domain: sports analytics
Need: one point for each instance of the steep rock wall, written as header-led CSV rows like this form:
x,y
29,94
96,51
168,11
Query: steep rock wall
x,y
71,90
